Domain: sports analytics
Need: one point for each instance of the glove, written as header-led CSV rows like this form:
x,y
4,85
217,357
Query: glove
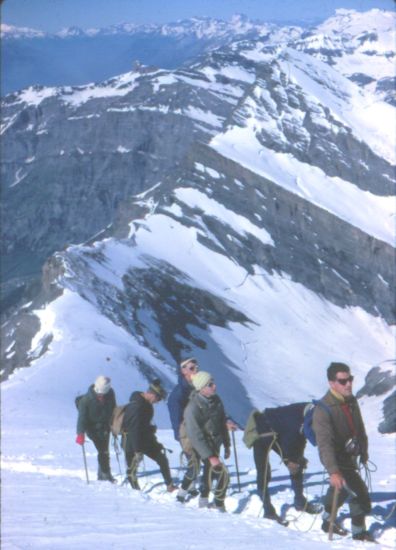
x,y
214,462
80,439
337,481
231,426
227,452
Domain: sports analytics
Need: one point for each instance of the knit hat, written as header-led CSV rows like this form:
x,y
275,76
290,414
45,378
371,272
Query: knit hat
x,y
156,388
201,379
102,384
187,361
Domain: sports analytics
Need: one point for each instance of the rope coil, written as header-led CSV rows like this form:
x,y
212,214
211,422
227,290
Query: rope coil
x,y
221,474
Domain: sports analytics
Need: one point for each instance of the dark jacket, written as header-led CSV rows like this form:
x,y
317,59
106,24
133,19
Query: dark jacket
x,y
94,416
177,402
332,431
206,424
137,424
287,423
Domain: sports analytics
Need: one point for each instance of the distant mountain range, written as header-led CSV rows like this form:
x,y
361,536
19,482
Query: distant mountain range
x,y
75,56
239,208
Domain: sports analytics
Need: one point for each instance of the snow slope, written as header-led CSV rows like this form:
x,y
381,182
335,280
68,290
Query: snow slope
x,y
46,502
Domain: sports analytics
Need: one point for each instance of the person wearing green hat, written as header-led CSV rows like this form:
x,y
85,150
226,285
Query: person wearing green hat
x,y
206,427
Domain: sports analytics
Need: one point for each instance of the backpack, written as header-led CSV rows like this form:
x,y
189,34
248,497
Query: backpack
x,y
117,419
77,401
184,440
307,429
250,434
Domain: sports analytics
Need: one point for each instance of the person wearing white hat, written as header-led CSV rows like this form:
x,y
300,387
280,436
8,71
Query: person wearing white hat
x,y
95,410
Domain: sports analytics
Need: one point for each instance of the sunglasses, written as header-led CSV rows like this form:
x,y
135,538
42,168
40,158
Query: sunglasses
x,y
192,368
344,381
210,384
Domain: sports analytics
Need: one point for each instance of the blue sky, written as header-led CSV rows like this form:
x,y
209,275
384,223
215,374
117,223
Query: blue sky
x,y
53,15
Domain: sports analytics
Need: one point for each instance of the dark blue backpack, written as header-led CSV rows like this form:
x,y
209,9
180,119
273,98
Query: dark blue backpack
x,y
77,401
307,428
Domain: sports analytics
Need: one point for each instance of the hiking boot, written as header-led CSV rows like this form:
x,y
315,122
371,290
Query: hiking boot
x,y
274,517
203,502
111,479
170,488
337,529
218,507
309,508
364,535
134,483
106,476
193,493
181,495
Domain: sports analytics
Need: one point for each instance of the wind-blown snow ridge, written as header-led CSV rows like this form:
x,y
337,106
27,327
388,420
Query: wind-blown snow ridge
x,y
196,199
372,214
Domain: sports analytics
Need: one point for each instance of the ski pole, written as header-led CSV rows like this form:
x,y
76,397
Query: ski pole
x,y
333,512
85,461
117,452
236,459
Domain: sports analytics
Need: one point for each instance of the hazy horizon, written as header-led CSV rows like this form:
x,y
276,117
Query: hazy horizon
x,y
55,15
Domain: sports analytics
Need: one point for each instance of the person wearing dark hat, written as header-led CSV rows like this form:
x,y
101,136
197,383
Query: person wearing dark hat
x,y
95,410
139,434
342,442
177,402
206,428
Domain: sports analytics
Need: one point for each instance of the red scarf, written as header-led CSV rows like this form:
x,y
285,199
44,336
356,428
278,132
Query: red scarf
x,y
347,411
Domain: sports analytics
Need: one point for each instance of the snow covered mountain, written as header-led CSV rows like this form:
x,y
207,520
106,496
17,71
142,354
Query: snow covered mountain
x,y
75,56
363,52
241,210
86,131
266,216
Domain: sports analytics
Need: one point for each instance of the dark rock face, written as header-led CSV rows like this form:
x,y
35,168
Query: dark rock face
x,y
388,87
388,425
379,381
331,257
68,168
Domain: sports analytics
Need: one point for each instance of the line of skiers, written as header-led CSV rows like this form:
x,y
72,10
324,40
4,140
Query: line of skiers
x,y
202,427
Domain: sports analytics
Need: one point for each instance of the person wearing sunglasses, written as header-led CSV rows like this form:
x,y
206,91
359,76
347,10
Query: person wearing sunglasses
x,y
206,428
342,440
177,402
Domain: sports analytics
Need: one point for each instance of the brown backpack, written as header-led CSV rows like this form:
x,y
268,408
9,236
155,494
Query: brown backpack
x,y
184,440
116,419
